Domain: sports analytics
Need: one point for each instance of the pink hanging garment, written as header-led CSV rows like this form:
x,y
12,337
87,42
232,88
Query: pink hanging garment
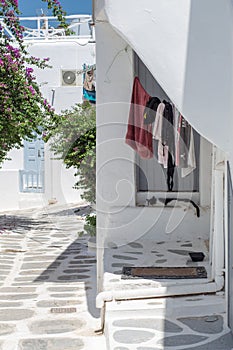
x,y
139,135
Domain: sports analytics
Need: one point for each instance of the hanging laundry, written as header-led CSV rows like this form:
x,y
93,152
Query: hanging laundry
x,y
168,128
176,115
139,135
185,149
89,92
191,163
168,140
157,135
150,110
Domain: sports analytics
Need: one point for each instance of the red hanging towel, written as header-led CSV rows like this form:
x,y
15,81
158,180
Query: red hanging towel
x,y
139,135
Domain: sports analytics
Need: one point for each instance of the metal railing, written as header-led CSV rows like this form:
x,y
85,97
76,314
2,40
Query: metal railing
x,y
47,27
31,181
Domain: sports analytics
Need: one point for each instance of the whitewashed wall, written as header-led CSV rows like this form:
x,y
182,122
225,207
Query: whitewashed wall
x,y
119,220
187,46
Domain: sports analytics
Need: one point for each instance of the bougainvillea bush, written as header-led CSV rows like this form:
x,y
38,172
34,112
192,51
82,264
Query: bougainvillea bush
x,y
23,110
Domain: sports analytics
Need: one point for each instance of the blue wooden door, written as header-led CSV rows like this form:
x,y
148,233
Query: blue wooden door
x,y
32,177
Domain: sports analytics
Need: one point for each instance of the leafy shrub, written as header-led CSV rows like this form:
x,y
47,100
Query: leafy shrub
x,y
74,141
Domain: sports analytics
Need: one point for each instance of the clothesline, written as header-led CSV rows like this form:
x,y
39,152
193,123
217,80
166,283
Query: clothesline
x,y
149,119
85,70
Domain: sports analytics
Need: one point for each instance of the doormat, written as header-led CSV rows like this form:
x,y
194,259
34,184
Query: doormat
x,y
164,272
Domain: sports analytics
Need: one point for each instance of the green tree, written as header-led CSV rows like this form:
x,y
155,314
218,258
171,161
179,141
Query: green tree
x,y
74,141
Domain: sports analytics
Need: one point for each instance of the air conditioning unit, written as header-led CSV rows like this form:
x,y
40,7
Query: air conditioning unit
x,y
71,78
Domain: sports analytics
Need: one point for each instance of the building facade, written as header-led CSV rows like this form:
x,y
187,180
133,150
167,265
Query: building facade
x,y
180,56
33,177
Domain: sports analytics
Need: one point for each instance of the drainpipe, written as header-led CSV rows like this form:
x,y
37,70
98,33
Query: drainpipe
x,y
219,225
93,23
212,201
52,200
93,12
146,293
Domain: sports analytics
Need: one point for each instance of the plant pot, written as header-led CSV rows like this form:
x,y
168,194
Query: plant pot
x,y
91,243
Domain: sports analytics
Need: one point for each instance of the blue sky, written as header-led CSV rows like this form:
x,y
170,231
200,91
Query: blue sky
x,y
72,7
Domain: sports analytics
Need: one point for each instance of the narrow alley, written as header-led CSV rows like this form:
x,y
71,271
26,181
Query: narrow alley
x,y
48,295
47,281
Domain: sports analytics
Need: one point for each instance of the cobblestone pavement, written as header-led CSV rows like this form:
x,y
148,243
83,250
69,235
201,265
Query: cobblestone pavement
x,y
47,282
169,333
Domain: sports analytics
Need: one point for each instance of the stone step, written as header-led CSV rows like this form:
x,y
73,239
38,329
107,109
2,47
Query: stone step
x,y
192,322
199,304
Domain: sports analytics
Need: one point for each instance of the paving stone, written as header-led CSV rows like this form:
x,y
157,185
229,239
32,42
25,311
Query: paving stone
x,y
5,262
57,303
56,326
76,271
74,266
135,253
63,257
121,264
58,235
9,304
42,278
64,289
85,261
63,295
135,245
184,339
41,258
187,245
4,272
7,328
30,272
15,314
178,251
18,296
24,279
42,265
161,261
132,336
51,344
223,343
150,323
19,284
72,277
84,257
201,324
38,252
124,257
